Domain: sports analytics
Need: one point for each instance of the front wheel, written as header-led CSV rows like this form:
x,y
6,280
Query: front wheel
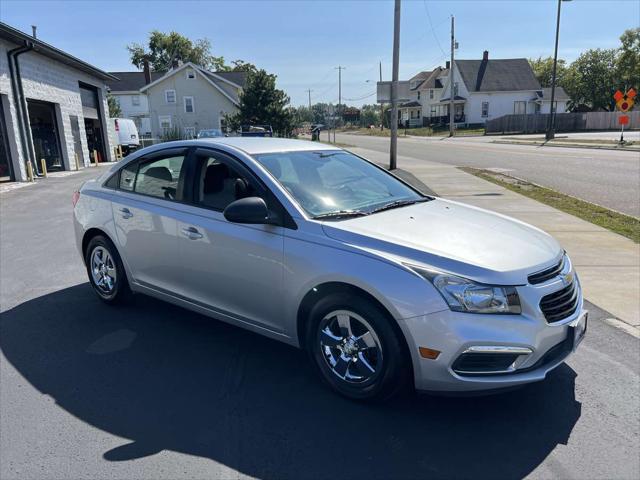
x,y
105,270
355,348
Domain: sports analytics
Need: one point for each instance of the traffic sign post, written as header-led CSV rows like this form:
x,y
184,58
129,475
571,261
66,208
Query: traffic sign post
x,y
624,103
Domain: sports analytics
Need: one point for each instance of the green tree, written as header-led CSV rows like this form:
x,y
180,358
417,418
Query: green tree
x,y
628,62
114,106
592,79
261,103
370,115
241,66
543,70
163,48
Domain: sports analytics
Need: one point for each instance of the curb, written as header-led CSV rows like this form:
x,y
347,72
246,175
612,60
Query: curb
x,y
580,145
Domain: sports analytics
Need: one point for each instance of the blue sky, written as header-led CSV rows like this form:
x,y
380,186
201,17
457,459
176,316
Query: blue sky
x,y
302,41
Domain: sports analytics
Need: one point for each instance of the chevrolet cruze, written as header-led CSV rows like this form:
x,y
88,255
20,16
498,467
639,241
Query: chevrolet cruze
x,y
384,287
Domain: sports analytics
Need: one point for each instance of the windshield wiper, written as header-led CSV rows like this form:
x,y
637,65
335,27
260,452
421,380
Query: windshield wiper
x,y
340,214
398,204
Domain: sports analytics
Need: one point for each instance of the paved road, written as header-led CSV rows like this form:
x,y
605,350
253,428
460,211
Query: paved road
x,y
605,177
153,391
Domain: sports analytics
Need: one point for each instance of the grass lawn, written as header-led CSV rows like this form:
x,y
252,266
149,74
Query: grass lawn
x,y
619,223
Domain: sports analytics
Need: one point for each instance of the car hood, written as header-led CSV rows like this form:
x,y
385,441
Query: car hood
x,y
452,237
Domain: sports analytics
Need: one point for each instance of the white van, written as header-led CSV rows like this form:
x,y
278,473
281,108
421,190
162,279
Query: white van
x,y
127,134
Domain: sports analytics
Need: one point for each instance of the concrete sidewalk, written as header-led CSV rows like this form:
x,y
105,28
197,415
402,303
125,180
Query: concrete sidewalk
x,y
607,263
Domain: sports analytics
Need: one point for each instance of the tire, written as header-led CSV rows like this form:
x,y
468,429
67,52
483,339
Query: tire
x,y
106,272
377,364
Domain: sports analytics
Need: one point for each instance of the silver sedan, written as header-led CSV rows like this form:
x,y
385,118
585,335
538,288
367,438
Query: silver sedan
x,y
386,288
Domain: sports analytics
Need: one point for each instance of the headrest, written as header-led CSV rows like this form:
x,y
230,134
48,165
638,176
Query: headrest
x,y
161,173
214,177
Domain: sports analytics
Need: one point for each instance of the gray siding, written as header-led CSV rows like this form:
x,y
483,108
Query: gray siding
x,y
208,103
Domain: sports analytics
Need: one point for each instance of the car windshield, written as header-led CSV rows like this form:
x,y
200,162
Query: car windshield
x,y
209,133
337,184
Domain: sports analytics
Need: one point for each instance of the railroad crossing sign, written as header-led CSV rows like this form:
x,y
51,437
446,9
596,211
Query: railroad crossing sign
x,y
624,101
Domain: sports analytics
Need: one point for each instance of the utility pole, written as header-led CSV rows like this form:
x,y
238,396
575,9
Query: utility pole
x,y
309,91
451,80
340,68
550,135
381,105
393,151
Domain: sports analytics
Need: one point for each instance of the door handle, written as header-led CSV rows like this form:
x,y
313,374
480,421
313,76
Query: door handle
x,y
191,233
126,213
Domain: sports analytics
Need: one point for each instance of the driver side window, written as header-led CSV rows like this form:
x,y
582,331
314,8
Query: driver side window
x,y
220,182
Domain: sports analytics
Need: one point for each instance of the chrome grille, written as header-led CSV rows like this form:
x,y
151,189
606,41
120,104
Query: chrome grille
x,y
561,304
547,274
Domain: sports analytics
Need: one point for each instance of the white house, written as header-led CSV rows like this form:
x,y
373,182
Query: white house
x,y
133,103
191,98
483,89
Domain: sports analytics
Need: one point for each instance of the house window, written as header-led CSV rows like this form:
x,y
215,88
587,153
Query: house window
x,y
519,107
455,88
433,111
485,109
188,104
170,96
191,74
418,95
135,100
165,122
190,132
431,94
537,107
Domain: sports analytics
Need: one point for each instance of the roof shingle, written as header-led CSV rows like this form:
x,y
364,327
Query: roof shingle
x,y
497,75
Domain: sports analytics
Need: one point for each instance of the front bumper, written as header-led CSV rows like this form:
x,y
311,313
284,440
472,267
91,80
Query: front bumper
x,y
539,346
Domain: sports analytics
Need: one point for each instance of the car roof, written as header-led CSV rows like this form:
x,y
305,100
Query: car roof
x,y
257,145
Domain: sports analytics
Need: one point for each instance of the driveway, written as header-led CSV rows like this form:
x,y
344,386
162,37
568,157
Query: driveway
x,y
150,390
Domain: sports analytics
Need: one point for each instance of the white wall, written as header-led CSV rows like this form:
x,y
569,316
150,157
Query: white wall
x,y
500,103
137,113
561,107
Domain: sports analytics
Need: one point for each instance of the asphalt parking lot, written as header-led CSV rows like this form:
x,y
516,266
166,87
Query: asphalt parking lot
x,y
150,390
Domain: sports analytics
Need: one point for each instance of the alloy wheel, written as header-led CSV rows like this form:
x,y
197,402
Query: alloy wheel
x,y
350,346
103,270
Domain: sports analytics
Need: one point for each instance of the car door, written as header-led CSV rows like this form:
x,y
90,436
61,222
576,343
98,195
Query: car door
x,y
233,269
146,218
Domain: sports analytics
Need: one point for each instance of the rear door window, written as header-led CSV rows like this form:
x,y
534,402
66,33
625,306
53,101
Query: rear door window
x,y
161,178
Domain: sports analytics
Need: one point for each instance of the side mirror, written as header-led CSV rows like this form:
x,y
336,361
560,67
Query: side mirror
x,y
247,210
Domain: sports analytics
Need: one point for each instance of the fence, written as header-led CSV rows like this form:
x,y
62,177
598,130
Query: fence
x,y
565,122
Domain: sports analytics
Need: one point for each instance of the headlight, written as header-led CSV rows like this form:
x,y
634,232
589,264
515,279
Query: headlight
x,y
464,295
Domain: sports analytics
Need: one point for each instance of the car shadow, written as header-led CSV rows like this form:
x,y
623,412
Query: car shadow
x,y
166,378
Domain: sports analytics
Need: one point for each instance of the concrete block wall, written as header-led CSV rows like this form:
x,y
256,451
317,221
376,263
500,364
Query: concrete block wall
x,y
54,82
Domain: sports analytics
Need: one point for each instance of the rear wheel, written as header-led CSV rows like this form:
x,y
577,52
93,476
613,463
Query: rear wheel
x,y
105,270
355,349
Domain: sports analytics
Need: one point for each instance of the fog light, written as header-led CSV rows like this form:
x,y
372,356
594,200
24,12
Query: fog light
x,y
428,353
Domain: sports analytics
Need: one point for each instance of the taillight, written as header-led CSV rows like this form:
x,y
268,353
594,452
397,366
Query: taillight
x,y
75,197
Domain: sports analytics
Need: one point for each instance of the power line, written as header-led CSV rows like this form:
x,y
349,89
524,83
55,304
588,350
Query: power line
x,y
360,98
433,31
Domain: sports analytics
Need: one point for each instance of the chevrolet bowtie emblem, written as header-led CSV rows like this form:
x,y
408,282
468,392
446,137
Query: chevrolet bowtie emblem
x,y
567,279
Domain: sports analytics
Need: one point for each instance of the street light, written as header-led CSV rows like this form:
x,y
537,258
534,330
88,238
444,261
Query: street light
x,y
551,126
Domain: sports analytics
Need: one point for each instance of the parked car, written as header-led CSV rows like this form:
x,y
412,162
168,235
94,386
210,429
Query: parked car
x,y
127,134
309,244
210,133
256,131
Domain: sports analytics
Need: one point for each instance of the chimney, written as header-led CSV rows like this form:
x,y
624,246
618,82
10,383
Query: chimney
x,y
448,65
34,30
485,55
147,72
